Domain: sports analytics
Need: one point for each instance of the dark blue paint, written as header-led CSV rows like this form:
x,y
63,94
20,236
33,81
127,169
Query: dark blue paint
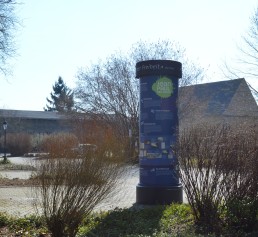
x,y
158,134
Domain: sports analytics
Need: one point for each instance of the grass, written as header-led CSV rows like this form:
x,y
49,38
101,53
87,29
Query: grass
x,y
27,226
175,220
5,162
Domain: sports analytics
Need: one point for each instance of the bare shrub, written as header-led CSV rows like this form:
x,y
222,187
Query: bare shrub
x,y
217,171
18,143
104,136
36,141
69,189
241,188
199,160
114,146
59,145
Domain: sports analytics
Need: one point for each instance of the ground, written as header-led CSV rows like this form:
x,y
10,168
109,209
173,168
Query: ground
x,y
16,182
4,182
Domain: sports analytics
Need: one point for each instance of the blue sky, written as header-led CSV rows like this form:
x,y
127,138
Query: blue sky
x,y
58,37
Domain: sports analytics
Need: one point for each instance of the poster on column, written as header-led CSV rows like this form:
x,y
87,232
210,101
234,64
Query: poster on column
x,y
158,130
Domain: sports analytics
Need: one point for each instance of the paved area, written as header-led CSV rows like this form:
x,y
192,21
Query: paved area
x,y
20,201
17,201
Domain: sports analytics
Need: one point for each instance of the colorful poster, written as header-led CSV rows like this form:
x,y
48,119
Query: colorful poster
x,y
158,130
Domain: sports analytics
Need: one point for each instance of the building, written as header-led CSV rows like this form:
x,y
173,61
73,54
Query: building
x,y
228,102
35,122
218,102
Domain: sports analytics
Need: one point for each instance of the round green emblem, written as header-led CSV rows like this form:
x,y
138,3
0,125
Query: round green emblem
x,y
163,87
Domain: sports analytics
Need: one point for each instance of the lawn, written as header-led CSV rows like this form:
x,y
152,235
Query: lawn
x,y
137,221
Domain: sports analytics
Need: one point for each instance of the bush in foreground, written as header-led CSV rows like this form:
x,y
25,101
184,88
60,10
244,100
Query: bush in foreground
x,y
71,187
218,169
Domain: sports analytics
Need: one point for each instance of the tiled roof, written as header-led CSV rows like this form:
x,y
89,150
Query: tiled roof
x,y
219,94
211,98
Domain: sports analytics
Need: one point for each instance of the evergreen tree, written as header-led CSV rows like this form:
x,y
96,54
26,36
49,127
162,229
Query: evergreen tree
x,y
62,99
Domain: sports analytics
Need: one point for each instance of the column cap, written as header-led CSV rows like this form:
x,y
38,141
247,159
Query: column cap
x,y
158,68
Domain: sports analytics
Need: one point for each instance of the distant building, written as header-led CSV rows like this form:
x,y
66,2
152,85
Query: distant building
x,y
228,102
42,122
218,102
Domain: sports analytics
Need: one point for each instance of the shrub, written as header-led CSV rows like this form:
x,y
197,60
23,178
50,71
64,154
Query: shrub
x,y
70,188
59,145
241,215
18,144
241,193
99,132
36,141
218,168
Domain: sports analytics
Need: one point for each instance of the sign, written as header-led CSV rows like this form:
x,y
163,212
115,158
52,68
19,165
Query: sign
x,y
158,122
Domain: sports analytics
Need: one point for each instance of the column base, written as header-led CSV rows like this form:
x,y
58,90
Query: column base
x,y
149,195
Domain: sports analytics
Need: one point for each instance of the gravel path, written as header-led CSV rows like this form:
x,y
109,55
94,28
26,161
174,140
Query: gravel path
x,y
16,197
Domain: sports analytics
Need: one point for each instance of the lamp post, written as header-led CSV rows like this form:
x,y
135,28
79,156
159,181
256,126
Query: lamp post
x,y
5,128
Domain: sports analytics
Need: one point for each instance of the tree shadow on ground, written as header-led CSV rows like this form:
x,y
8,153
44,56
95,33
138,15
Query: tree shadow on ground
x,y
134,221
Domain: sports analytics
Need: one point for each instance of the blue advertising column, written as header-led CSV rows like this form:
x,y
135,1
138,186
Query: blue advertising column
x,y
159,181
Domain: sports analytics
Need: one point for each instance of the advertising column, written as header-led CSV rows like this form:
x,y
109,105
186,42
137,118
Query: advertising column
x,y
159,180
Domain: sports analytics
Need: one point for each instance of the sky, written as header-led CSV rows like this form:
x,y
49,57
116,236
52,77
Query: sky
x,y
58,37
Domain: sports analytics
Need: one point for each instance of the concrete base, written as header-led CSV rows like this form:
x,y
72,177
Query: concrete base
x,y
159,195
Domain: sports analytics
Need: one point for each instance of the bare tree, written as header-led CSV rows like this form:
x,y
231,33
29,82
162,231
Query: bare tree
x,y
246,63
110,91
165,49
8,23
248,58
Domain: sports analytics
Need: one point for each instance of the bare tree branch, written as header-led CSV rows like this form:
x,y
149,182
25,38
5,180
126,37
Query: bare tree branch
x,y
8,23
109,89
246,63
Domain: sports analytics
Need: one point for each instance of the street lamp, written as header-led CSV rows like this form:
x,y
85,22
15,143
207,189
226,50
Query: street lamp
x,y
5,128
